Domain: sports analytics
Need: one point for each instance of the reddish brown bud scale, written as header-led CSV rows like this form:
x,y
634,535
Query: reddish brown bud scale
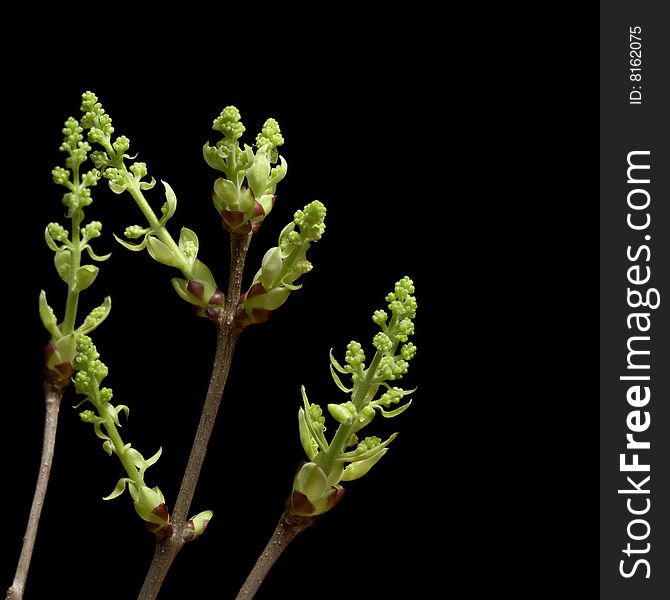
x,y
197,288
56,374
217,297
161,530
255,290
233,221
257,315
260,315
49,349
258,210
161,511
301,504
336,497
60,375
189,529
66,370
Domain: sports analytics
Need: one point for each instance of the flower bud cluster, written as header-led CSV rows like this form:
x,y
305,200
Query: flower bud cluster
x,y
78,194
149,502
68,247
283,265
316,486
198,287
110,158
246,193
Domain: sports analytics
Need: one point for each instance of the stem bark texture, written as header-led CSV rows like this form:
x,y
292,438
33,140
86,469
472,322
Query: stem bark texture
x,y
53,393
228,331
288,527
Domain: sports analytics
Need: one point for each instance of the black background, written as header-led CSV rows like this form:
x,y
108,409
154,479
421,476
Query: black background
x,y
444,148
361,136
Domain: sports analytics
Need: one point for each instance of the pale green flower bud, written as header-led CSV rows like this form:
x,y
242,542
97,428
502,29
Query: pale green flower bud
x,y
258,174
312,494
59,356
150,506
195,526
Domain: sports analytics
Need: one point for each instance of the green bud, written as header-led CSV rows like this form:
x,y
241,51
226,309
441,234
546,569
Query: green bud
x,y
258,298
135,231
92,230
56,233
388,368
201,291
404,329
343,413
288,238
95,135
392,396
90,178
86,349
259,173
243,208
270,135
96,317
161,253
100,158
226,195
271,267
72,135
106,395
195,526
365,415
229,123
60,175
312,495
355,355
88,416
188,243
311,481
121,145
311,221
150,506
84,277
62,261
95,117
139,169
236,206
380,317
263,206
59,356
401,303
117,180
382,342
408,351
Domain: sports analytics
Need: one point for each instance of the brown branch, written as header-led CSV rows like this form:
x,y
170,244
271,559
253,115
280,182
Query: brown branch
x,y
229,330
287,529
53,393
